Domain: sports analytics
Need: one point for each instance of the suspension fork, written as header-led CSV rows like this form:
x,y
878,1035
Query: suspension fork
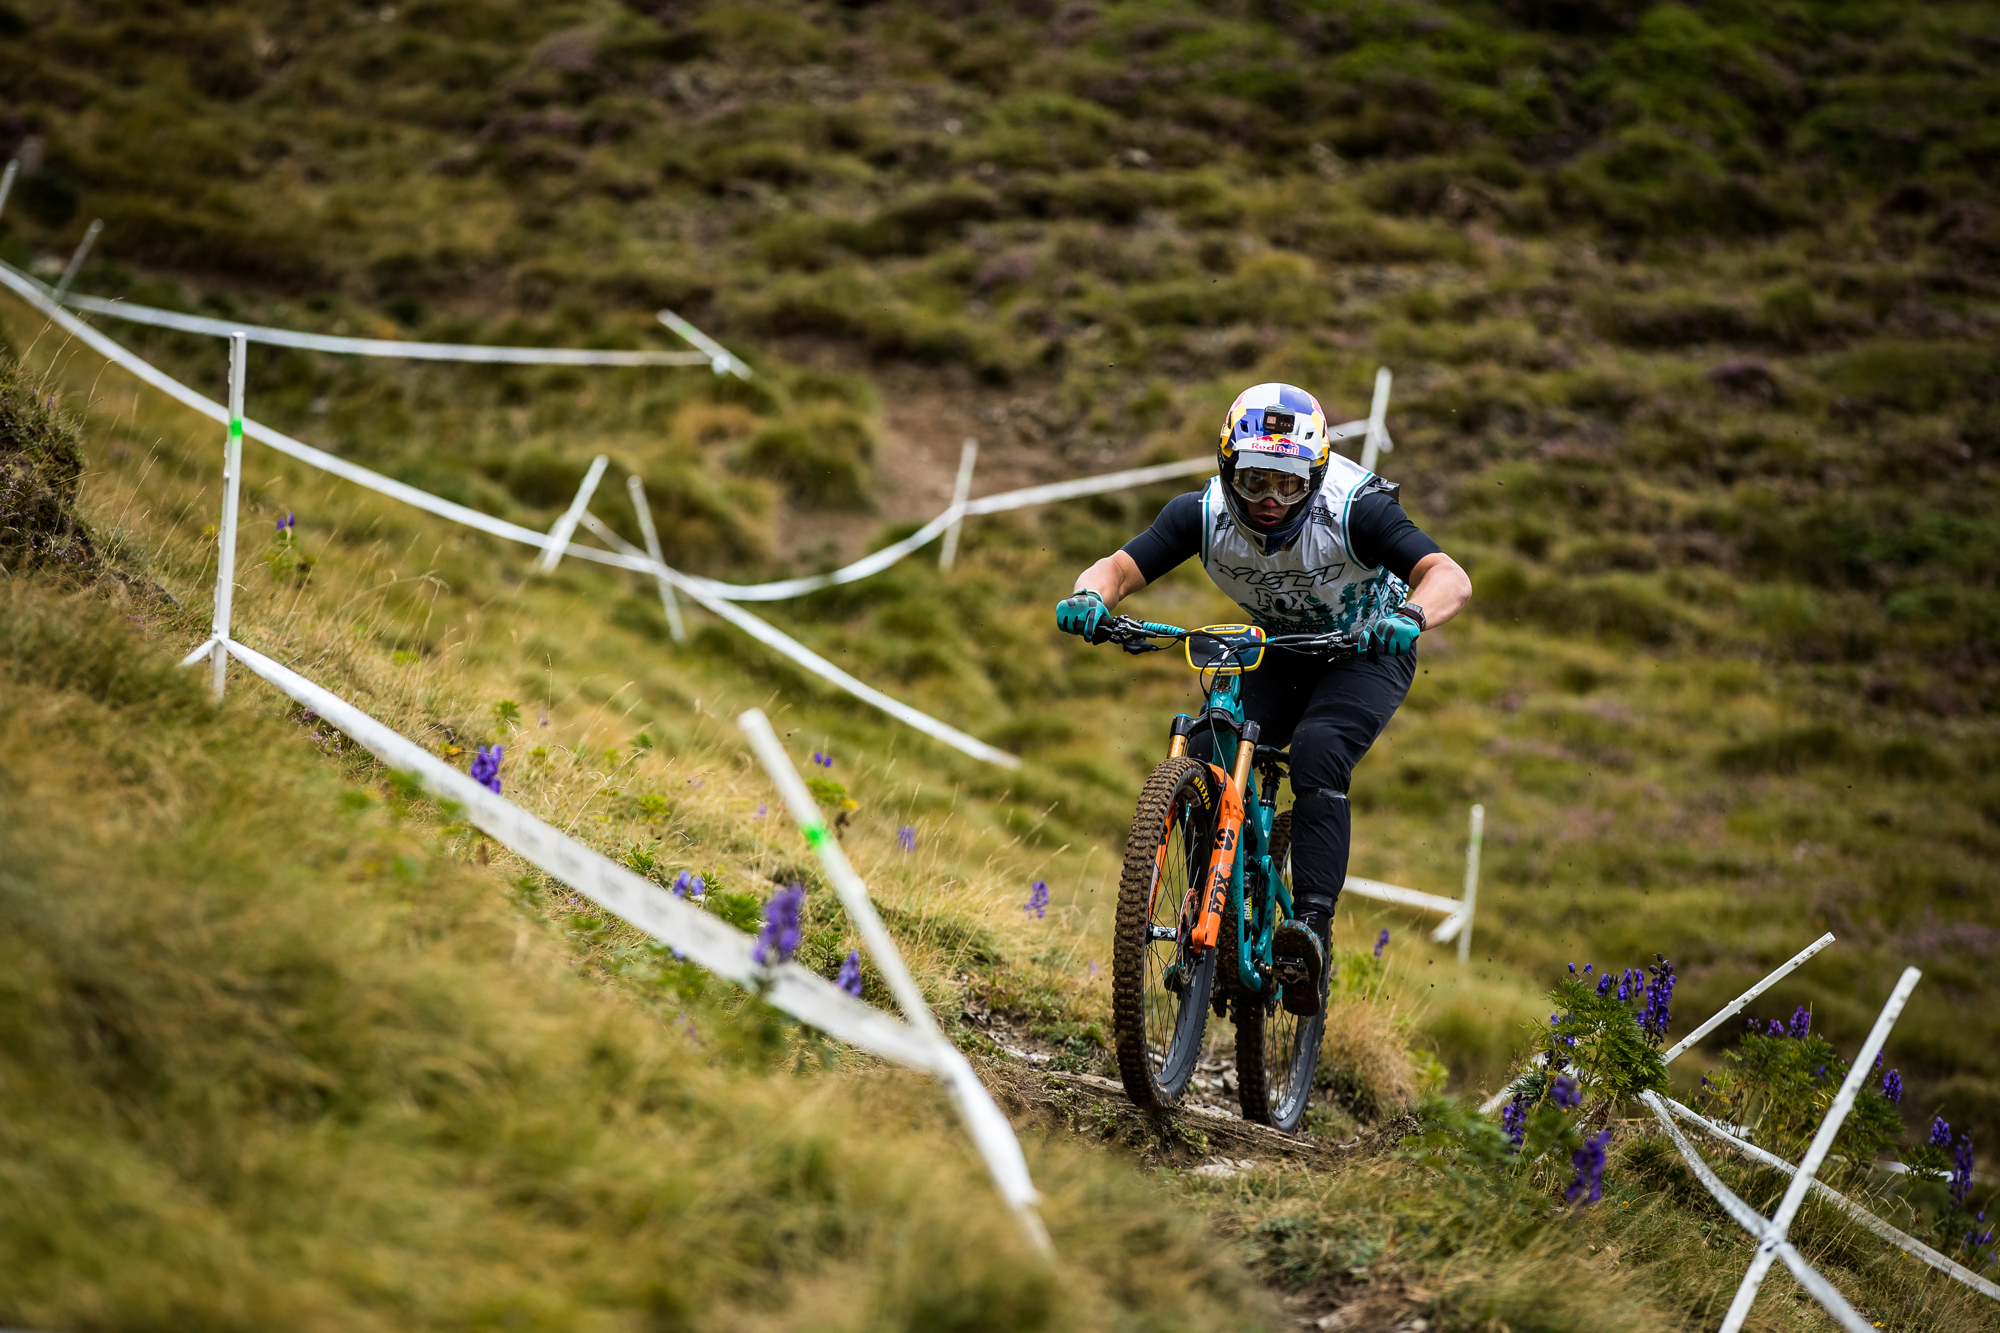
x,y
1225,861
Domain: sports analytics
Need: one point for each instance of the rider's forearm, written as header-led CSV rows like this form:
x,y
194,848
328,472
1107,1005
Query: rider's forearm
x,y
1440,587
1114,578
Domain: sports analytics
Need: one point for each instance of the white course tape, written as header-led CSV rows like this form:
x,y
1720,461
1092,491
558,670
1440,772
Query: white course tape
x,y
390,347
634,559
1395,893
1829,1297
715,945
696,589
1901,1240
990,1129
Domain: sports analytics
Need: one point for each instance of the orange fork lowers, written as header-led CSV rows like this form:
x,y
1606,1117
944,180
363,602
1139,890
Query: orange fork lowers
x,y
1221,860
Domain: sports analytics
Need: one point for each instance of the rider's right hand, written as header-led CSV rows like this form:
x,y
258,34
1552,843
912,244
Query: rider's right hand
x,y
1082,613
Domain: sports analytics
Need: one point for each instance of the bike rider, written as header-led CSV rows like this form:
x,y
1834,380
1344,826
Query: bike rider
x,y
1306,542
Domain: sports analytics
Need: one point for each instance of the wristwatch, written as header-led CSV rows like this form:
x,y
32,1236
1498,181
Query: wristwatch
x,y
1414,612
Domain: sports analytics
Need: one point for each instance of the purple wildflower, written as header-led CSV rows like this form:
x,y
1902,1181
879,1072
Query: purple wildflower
x,y
822,759
486,767
906,837
1657,1014
1038,899
1566,1092
690,886
1604,984
849,979
1801,1023
1776,1029
1514,1123
288,522
1572,968
1961,1170
1382,942
779,939
1587,967
1940,1133
1589,1163
760,810
1892,1086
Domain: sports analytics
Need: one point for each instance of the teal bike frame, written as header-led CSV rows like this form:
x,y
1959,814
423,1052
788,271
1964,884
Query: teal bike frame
x,y
1248,843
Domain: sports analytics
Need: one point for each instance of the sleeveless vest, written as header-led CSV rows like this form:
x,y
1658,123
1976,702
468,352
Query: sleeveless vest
x,y
1313,586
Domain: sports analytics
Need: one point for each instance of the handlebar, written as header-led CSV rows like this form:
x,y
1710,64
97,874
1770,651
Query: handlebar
x,y
1137,636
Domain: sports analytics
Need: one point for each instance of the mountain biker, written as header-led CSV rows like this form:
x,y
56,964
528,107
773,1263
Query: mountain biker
x,y
1306,542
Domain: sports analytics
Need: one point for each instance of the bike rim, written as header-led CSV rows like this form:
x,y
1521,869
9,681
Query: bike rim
x,y
1290,1043
1178,872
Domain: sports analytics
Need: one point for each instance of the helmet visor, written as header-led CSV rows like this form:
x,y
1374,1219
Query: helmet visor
x,y
1260,483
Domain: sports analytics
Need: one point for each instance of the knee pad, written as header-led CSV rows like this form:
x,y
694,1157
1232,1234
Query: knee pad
x,y
1321,821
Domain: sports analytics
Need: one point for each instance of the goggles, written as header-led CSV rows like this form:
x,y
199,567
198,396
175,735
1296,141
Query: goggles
x,y
1258,483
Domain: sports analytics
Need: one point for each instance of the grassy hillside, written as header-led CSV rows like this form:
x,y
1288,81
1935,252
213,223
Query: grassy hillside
x,y
1692,312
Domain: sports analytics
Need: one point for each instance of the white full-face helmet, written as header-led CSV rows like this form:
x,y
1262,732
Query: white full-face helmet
x,y
1274,442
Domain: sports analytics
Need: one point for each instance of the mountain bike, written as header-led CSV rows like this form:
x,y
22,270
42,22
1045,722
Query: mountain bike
x,y
1204,888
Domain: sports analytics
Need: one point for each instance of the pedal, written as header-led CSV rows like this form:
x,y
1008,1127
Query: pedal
x,y
1290,972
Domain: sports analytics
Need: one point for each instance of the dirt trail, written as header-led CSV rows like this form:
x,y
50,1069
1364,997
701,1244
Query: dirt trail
x,y
927,414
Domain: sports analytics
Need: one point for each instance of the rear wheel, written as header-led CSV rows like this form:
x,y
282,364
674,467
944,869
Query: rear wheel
x,y
1160,982
1277,1052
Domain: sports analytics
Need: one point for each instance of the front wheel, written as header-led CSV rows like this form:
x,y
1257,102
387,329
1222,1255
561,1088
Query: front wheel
x,y
1277,1052
1160,981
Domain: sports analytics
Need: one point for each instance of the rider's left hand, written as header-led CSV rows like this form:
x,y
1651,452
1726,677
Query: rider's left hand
x,y
1393,635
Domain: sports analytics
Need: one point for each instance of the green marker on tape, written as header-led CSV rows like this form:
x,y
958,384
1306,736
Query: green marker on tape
x,y
815,835
236,428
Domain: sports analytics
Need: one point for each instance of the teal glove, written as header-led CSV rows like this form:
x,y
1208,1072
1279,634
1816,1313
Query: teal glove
x,y
1081,613
1393,635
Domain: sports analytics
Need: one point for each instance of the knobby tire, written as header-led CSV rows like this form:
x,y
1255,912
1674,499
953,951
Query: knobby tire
x,y
1158,1032
1277,1052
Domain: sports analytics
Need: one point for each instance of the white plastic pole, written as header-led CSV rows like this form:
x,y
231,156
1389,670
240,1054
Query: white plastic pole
x,y
1902,1241
232,485
960,489
565,528
7,181
1843,1101
1735,1006
706,939
76,261
990,1129
1753,1222
719,358
668,602
1471,882
1377,442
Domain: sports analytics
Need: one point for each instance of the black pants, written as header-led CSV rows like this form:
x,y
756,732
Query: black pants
x,y
1329,713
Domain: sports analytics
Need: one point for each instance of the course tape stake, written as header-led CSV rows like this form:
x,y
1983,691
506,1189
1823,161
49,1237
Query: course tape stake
x,y
990,1129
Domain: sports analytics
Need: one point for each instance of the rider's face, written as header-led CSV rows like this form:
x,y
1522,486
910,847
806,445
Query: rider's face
x,y
1268,510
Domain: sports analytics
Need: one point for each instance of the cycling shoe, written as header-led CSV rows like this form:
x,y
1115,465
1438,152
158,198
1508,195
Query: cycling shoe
x,y
1298,963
